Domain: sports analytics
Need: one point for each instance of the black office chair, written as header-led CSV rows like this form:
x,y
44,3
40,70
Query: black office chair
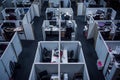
x,y
46,55
47,77
49,15
68,32
71,54
43,73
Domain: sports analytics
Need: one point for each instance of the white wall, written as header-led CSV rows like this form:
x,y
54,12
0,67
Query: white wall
x,y
49,45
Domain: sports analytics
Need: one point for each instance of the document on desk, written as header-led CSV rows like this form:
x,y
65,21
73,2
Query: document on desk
x,y
64,57
54,57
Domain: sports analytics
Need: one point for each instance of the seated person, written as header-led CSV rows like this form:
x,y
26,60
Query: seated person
x,y
68,32
49,15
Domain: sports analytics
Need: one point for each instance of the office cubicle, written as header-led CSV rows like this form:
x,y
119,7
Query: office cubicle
x,y
73,71
102,26
25,15
9,27
44,72
108,28
97,14
112,68
101,13
54,13
51,30
101,49
71,56
45,51
9,56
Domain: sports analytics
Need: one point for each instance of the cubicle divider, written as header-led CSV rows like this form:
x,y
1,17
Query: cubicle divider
x,y
101,49
3,74
114,47
36,8
113,44
32,12
16,44
8,59
91,28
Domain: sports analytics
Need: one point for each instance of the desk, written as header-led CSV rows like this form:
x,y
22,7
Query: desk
x,y
54,58
53,28
64,57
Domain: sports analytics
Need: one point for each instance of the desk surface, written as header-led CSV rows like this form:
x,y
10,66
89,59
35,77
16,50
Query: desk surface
x,y
53,28
64,57
54,59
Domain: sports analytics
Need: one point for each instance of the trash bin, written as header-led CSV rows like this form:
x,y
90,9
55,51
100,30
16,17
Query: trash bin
x,y
99,65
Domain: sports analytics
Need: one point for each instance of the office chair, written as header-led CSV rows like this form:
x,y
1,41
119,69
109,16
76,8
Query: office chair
x,y
43,75
49,15
46,55
71,54
68,32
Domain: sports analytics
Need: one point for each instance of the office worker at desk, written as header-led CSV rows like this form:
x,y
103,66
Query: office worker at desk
x,y
69,30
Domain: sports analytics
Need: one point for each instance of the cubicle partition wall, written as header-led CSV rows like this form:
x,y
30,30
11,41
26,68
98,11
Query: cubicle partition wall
x,y
27,25
101,49
3,73
42,46
114,45
112,68
74,51
71,56
101,26
9,56
16,44
8,60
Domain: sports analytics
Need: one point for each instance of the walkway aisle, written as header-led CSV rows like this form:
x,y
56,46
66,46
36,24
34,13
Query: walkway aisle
x,y
88,50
